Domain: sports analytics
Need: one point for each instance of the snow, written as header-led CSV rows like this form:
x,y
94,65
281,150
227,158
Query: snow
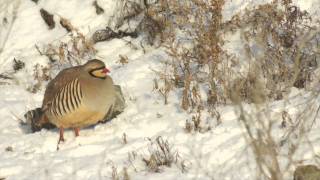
x,y
222,153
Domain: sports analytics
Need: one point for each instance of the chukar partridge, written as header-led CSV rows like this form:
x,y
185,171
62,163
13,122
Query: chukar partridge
x,y
79,96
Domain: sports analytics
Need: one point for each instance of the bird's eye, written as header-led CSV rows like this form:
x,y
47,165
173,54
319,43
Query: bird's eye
x,y
99,73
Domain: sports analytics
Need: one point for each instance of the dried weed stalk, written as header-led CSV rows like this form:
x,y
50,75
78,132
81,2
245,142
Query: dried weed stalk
x,y
196,64
197,124
148,14
281,46
40,74
161,154
276,41
114,174
123,175
73,51
165,85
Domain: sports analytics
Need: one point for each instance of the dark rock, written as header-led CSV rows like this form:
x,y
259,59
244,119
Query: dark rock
x,y
48,18
35,1
108,33
18,65
119,105
9,149
103,35
99,9
4,21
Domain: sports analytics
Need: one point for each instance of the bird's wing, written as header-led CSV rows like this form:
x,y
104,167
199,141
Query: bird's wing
x,y
61,80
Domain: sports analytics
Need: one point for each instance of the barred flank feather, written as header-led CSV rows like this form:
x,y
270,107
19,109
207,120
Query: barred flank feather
x,y
67,99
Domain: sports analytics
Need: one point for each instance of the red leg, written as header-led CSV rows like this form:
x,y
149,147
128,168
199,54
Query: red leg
x,y
76,131
61,138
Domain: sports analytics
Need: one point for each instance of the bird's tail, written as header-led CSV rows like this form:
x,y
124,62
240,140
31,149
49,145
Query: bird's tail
x,y
37,119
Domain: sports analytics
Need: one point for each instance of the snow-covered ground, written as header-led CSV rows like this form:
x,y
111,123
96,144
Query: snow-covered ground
x,y
221,153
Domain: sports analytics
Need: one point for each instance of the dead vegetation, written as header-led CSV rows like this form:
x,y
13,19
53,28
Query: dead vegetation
x,y
72,51
277,42
108,34
308,172
281,48
41,74
123,175
144,14
161,154
281,51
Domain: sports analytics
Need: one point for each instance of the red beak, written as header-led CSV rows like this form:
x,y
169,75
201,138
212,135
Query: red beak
x,y
105,70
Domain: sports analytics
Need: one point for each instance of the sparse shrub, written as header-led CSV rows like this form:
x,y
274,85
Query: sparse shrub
x,y
124,138
161,154
278,40
125,174
151,23
307,172
197,124
165,85
119,176
72,50
277,44
114,175
40,74
280,46
248,89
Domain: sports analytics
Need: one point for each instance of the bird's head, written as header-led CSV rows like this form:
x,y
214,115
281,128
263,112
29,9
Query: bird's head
x,y
96,68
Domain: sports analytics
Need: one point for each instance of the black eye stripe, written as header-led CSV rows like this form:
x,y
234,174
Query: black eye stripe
x,y
91,72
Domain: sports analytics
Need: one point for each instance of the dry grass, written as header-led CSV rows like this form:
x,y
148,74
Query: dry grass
x,y
308,172
277,44
281,46
41,74
123,175
279,30
123,59
162,154
71,52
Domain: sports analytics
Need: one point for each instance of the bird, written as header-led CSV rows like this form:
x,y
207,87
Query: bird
x,y
78,97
